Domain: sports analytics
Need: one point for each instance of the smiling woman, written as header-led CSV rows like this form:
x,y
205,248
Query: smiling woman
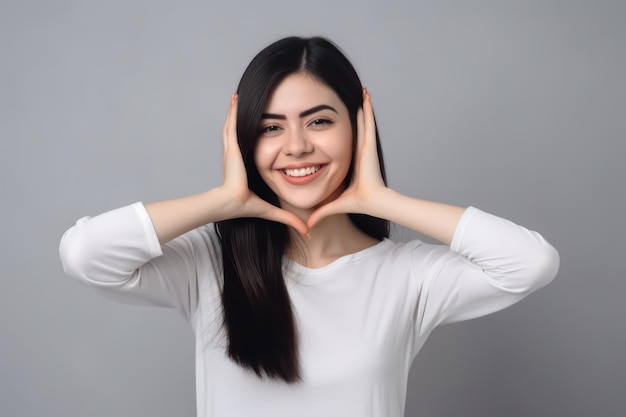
x,y
293,79
299,301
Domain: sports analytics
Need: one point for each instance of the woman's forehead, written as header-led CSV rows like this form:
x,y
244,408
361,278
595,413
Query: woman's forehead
x,y
299,92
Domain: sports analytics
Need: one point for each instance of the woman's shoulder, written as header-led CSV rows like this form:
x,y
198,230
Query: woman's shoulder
x,y
400,255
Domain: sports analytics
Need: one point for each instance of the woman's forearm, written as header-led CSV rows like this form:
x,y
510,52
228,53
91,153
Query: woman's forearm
x,y
437,220
172,218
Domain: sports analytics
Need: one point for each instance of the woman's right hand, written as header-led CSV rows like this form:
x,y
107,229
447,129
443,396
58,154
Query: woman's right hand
x,y
233,199
246,203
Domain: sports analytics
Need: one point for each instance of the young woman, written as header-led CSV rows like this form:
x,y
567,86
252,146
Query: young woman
x,y
300,303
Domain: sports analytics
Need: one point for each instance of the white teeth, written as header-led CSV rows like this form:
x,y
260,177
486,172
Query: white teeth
x,y
302,172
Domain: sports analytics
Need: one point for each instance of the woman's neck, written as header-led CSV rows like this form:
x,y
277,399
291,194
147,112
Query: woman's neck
x,y
333,237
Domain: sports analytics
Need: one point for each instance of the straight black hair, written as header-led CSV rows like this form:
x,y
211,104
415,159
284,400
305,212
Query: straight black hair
x,y
258,316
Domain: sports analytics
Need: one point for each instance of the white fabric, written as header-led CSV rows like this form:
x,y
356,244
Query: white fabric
x,y
362,318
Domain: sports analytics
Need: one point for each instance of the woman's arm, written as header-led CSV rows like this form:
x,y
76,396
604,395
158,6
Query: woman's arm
x,y
437,220
119,254
368,194
145,254
493,263
172,218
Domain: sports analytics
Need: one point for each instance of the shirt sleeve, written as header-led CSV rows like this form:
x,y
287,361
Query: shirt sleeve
x,y
492,264
118,253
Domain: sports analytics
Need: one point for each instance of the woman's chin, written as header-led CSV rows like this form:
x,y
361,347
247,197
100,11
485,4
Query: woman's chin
x,y
306,205
300,208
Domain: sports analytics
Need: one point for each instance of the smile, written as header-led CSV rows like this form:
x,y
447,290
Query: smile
x,y
302,172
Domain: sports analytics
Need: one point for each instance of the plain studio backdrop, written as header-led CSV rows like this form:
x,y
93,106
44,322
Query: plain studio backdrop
x,y
516,107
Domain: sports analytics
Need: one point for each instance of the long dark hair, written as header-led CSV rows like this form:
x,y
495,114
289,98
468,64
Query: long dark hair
x,y
258,316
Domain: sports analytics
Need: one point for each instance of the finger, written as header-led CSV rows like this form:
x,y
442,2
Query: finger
x,y
368,117
360,126
370,149
257,207
283,216
229,133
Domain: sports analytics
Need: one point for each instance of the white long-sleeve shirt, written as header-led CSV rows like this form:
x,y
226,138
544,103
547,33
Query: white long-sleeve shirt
x,y
361,319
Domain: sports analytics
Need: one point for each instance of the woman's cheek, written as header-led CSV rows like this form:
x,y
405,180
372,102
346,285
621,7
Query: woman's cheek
x,y
264,157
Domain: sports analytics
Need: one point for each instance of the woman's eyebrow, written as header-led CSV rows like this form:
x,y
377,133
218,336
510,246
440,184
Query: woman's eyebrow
x,y
316,109
305,113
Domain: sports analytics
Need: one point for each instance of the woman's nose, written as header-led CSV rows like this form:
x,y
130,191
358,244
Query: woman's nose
x,y
296,144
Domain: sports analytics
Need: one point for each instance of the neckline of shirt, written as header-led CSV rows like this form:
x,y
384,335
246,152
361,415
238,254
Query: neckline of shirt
x,y
305,271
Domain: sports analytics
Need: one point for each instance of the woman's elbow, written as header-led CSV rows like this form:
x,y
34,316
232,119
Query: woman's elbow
x,y
543,266
70,253
74,252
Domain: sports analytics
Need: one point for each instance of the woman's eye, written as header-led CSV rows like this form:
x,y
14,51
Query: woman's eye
x,y
269,129
320,122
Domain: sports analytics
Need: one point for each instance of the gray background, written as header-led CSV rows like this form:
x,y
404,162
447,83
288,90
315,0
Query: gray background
x,y
516,107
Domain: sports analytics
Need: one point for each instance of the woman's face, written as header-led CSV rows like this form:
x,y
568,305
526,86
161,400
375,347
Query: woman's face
x,y
305,146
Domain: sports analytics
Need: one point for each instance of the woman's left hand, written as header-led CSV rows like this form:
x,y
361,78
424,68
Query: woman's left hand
x,y
367,183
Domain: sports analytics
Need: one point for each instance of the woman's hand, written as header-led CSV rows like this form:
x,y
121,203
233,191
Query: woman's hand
x,y
244,203
367,184
368,194
233,199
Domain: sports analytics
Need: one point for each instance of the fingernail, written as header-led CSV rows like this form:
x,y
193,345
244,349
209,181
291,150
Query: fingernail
x,y
307,235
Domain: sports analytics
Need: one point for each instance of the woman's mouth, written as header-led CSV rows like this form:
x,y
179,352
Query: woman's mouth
x,y
302,172
302,176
